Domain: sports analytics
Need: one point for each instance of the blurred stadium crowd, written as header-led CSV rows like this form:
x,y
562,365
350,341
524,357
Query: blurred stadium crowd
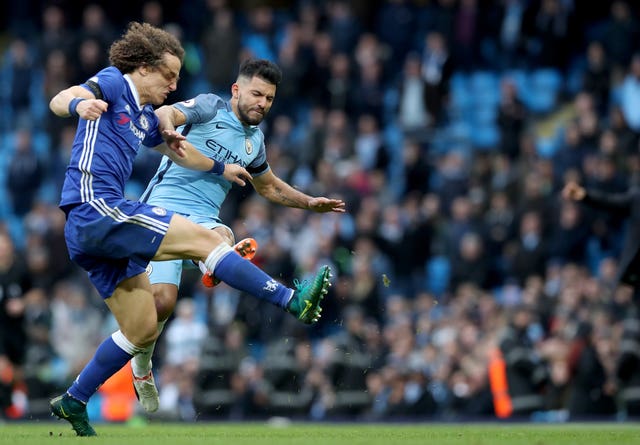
x,y
448,126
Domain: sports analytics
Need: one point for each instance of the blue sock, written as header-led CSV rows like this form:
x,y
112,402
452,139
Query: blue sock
x,y
245,276
107,360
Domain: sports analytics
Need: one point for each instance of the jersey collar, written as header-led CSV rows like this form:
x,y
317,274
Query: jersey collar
x,y
134,90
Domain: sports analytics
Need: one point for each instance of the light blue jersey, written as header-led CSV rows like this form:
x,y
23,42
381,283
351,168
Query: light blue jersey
x,y
214,129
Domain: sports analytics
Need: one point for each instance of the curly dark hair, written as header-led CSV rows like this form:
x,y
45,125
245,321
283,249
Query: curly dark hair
x,y
143,44
264,69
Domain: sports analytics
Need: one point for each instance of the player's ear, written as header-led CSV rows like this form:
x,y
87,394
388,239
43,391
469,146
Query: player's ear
x,y
234,90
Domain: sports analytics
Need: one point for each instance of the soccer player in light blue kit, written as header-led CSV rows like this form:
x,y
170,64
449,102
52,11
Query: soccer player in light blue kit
x,y
225,131
113,238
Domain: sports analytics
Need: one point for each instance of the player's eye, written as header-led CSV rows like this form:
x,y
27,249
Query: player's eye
x,y
166,72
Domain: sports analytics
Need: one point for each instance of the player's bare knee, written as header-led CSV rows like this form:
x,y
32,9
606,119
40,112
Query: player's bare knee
x,y
215,237
143,333
147,334
164,306
226,234
164,296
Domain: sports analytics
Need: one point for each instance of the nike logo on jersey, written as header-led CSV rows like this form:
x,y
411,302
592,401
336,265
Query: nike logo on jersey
x,y
221,127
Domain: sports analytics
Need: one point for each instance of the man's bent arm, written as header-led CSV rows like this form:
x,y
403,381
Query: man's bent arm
x,y
59,104
170,117
277,191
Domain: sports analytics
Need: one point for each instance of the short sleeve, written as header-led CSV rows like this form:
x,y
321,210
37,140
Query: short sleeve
x,y
110,83
201,108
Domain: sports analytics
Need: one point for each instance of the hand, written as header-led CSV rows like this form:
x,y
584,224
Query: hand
x,y
573,192
174,140
91,109
236,173
323,205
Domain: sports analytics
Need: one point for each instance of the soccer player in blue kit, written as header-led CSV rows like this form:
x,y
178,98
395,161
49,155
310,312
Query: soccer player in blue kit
x,y
113,238
221,130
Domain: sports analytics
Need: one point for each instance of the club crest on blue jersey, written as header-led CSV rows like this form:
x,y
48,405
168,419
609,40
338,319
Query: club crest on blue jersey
x,y
144,123
248,146
149,269
188,102
159,211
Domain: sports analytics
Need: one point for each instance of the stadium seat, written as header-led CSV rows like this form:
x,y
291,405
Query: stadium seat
x,y
544,87
459,97
287,393
519,77
213,395
485,136
484,88
546,146
348,364
438,271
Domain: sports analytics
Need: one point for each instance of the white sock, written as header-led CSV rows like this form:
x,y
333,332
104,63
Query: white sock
x,y
124,343
141,362
216,255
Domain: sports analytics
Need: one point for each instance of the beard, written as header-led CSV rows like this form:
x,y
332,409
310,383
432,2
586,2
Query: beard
x,y
244,116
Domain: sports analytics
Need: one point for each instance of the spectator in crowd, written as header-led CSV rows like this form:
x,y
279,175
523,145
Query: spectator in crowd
x,y
526,373
570,235
88,60
183,341
626,204
55,34
76,325
395,24
467,35
628,367
15,284
597,77
221,43
550,33
437,69
619,34
511,119
528,254
96,26
630,94
413,115
511,41
26,172
19,77
591,390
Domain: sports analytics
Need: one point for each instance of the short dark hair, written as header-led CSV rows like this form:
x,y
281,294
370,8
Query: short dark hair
x,y
143,44
262,68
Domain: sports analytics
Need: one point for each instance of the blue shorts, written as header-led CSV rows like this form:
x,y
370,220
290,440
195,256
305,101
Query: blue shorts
x,y
170,272
114,240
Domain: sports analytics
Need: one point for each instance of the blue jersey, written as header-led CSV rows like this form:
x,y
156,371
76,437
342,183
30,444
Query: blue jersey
x,y
104,150
213,128
110,237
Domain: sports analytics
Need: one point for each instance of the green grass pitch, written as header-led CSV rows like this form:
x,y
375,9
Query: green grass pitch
x,y
38,433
